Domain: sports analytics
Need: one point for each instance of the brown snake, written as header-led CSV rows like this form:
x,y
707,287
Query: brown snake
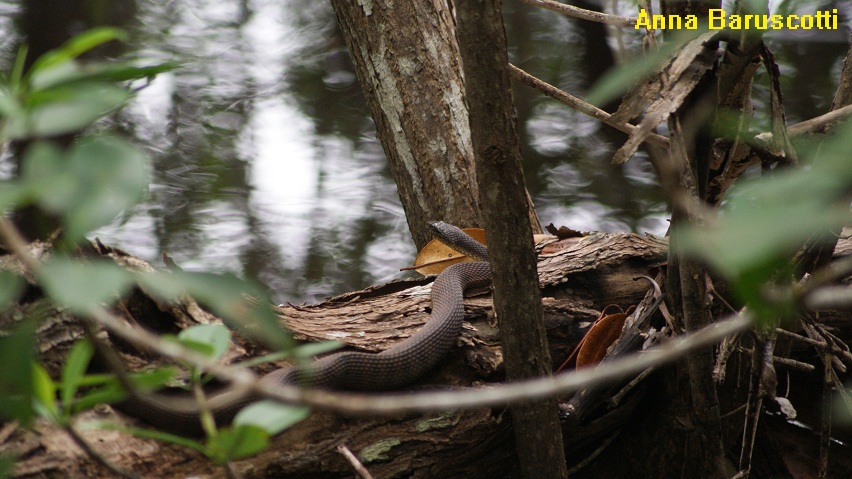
x,y
390,369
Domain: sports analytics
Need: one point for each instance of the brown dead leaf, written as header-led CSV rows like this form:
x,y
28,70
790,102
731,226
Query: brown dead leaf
x,y
599,338
436,256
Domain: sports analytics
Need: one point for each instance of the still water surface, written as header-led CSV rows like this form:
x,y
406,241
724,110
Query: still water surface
x,y
264,160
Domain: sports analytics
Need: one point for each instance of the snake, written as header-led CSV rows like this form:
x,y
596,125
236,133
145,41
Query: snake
x,y
391,369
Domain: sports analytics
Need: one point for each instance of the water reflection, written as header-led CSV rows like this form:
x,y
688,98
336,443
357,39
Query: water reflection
x,y
264,157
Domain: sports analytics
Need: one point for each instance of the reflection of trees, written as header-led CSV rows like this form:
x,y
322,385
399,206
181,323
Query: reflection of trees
x,y
199,175
45,25
199,145
572,55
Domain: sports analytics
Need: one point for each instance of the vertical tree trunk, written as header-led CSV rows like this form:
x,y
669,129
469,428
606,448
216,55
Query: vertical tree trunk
x,y
517,299
407,61
695,402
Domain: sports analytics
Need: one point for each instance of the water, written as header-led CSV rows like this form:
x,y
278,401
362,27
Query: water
x,y
264,156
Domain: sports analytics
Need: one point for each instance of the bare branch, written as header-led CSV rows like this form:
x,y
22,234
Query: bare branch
x,y
830,297
814,125
580,105
363,404
582,13
354,462
470,398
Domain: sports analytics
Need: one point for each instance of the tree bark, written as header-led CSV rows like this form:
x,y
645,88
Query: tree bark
x,y
579,277
517,299
453,444
407,62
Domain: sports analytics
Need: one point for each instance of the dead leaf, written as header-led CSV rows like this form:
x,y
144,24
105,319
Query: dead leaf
x,y
436,256
599,338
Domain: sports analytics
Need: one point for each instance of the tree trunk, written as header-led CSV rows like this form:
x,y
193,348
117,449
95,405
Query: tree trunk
x,y
407,61
517,300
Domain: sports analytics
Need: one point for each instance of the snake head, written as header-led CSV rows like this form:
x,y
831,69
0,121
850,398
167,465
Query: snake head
x,y
457,239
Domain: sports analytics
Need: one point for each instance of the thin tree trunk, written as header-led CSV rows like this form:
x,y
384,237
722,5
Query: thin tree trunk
x,y
517,298
407,61
696,401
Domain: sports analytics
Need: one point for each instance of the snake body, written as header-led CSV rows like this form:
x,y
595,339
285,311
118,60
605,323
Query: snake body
x,y
390,369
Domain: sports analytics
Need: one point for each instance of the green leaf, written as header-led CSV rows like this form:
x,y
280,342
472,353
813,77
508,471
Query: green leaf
x,y
18,68
113,176
154,379
44,175
84,286
70,72
16,382
94,181
44,393
6,466
118,72
242,305
764,221
73,370
67,108
216,336
301,352
237,442
11,287
12,195
312,349
625,76
271,416
197,346
11,111
56,75
103,395
77,46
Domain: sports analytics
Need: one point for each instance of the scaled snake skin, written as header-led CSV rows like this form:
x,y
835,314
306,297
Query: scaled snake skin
x,y
390,369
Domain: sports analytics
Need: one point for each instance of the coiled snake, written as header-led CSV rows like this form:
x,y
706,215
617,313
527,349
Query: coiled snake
x,y
390,369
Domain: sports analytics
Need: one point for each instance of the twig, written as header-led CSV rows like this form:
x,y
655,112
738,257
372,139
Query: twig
x,y
813,125
354,462
828,274
816,344
580,105
787,362
588,459
232,471
471,398
7,430
825,424
753,405
582,13
616,400
96,456
362,403
830,297
817,123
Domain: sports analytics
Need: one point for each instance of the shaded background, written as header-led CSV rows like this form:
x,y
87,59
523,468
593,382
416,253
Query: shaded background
x,y
264,156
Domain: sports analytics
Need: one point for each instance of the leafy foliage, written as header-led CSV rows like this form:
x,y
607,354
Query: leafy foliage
x,y
87,185
765,220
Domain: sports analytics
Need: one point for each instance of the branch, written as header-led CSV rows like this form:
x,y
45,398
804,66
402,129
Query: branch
x,y
362,404
581,106
472,398
582,13
814,125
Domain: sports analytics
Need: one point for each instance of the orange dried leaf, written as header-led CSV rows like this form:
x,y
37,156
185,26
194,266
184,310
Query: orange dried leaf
x,y
599,338
436,256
